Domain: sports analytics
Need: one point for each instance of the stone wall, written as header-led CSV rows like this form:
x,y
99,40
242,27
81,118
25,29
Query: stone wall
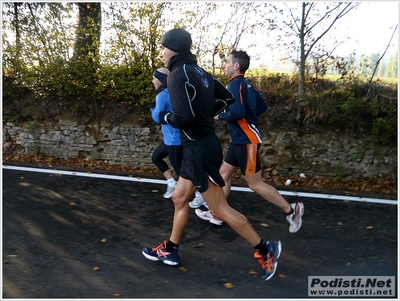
x,y
325,154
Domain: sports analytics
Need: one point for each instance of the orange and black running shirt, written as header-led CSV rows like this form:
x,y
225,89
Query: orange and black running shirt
x,y
242,116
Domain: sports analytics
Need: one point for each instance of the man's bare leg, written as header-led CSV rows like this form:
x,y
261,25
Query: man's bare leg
x,y
227,171
215,199
268,192
184,189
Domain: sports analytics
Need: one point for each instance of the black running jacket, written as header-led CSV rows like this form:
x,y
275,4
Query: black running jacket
x,y
196,97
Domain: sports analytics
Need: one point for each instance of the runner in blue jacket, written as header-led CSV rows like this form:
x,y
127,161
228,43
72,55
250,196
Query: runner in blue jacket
x,y
171,145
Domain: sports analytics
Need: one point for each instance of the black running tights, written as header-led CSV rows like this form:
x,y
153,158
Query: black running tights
x,y
174,152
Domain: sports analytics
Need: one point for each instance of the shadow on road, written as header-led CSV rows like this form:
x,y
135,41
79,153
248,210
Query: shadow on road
x,y
57,229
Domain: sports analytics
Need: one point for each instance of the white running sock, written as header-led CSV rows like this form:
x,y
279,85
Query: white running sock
x,y
171,182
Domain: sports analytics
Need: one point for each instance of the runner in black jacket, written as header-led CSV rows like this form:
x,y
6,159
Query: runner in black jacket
x,y
193,93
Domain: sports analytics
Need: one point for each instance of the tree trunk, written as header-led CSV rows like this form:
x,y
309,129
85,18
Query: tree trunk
x,y
88,33
16,24
302,62
86,58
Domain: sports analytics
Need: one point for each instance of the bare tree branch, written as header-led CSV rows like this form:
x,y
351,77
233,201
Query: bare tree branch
x,y
380,58
348,7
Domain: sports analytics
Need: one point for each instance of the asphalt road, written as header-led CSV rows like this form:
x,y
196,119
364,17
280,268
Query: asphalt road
x,y
76,237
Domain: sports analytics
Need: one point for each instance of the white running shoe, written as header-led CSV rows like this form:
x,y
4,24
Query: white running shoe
x,y
295,218
168,193
197,201
207,216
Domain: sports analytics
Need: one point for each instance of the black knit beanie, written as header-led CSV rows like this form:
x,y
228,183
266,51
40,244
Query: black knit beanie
x,y
160,76
178,40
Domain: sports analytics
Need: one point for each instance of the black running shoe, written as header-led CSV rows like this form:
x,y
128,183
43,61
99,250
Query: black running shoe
x,y
160,253
269,262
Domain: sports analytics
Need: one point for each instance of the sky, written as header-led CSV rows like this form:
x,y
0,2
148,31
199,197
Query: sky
x,y
372,25
369,28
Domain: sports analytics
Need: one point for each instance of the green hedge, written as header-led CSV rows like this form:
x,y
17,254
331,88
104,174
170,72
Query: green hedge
x,y
350,104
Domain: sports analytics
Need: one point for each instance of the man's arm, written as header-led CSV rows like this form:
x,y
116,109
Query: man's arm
x,y
224,98
236,111
161,98
261,104
180,94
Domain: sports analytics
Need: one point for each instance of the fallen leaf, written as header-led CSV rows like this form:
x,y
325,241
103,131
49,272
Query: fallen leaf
x,y
282,276
72,204
89,172
183,269
103,240
117,295
197,246
228,285
369,227
349,263
340,223
96,269
264,225
155,190
252,272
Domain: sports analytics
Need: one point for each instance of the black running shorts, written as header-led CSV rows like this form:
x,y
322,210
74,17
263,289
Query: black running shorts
x,y
246,156
201,160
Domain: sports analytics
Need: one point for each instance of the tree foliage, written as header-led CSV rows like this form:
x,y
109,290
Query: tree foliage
x,y
310,24
88,58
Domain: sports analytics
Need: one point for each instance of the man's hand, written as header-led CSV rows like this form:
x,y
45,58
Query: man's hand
x,y
221,105
162,116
